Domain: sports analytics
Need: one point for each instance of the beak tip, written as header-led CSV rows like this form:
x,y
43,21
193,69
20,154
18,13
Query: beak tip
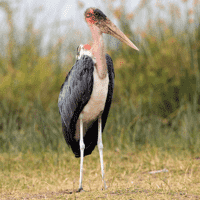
x,y
137,49
134,47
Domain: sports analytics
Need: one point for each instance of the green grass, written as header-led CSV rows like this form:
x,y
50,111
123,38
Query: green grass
x,y
128,127
56,176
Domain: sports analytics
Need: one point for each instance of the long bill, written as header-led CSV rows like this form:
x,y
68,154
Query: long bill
x,y
110,28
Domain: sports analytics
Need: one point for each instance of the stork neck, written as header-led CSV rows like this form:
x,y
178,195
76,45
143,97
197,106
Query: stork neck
x,y
99,51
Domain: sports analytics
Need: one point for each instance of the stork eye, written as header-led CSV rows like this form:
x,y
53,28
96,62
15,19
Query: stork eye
x,y
89,15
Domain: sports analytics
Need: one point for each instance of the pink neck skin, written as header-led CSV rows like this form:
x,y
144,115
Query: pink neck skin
x,y
98,51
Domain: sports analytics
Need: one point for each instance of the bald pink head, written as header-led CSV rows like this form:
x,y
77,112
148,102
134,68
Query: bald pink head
x,y
96,18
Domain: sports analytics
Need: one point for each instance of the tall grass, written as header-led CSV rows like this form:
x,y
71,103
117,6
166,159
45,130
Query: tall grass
x,y
156,97
128,128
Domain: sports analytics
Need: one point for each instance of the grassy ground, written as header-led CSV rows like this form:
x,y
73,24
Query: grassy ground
x,y
56,176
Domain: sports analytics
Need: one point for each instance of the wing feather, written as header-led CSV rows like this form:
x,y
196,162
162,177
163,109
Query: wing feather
x,y
74,95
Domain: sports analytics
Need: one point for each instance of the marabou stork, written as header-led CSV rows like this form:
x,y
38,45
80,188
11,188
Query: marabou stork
x,y
86,95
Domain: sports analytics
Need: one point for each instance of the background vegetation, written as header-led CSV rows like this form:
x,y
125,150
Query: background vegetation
x,y
157,90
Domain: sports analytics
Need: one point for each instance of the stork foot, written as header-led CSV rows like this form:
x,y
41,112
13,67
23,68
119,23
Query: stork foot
x,y
80,190
104,187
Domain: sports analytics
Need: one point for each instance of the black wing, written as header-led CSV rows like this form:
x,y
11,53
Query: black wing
x,y
75,94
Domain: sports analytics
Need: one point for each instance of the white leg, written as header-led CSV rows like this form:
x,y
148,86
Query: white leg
x,y
82,147
100,147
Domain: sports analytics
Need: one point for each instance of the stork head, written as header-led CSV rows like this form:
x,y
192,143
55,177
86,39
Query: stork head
x,y
95,17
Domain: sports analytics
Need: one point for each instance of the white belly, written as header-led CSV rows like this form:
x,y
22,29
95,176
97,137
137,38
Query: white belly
x,y
98,97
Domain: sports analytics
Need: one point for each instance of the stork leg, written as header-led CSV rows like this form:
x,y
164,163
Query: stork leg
x,y
82,147
100,147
